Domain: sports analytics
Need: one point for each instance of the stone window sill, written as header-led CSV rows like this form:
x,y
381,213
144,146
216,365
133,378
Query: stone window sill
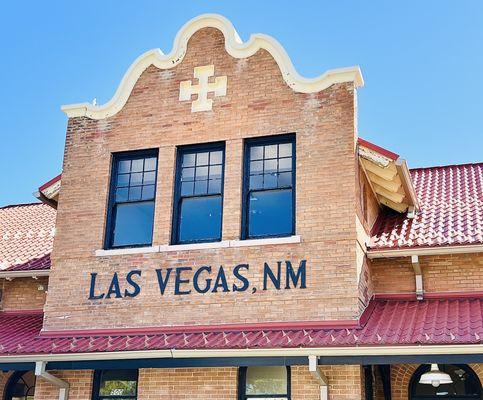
x,y
200,246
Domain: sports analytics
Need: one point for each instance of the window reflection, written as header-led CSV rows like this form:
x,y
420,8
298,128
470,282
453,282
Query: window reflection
x,y
198,201
116,384
264,382
269,187
132,199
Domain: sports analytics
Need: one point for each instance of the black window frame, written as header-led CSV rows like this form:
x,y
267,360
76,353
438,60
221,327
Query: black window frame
x,y
96,385
111,207
264,141
242,381
177,197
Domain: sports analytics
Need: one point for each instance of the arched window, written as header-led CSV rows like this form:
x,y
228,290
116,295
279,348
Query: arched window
x,y
465,386
21,386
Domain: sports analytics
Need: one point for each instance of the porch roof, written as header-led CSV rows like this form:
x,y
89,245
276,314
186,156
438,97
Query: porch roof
x,y
386,322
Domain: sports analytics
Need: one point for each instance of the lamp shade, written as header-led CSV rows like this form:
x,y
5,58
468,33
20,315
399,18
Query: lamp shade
x,y
435,377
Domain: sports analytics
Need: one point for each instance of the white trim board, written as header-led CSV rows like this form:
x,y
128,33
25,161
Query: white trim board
x,y
200,246
24,274
425,251
233,45
280,352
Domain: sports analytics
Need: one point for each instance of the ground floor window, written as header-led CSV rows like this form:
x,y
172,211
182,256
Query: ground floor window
x,y
466,384
264,383
118,384
21,386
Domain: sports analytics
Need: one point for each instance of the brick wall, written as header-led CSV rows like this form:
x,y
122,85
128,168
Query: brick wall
x,y
345,383
446,273
23,293
4,377
210,383
80,385
188,383
366,210
258,103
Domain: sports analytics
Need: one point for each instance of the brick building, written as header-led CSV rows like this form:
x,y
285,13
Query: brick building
x,y
222,232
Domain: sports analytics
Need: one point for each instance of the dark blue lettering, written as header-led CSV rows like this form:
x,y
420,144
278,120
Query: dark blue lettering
x,y
163,282
220,281
114,288
196,277
267,272
294,277
135,285
92,289
241,278
178,281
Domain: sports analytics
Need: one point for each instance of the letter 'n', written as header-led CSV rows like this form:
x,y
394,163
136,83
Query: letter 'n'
x,y
268,273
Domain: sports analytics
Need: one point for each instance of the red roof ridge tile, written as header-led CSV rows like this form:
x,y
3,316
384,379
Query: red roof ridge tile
x,y
34,311
271,326
34,264
447,166
34,203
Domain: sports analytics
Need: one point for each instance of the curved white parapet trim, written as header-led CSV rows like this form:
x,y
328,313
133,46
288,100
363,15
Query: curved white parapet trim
x,y
233,45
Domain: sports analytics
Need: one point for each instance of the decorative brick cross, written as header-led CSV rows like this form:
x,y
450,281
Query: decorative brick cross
x,y
202,103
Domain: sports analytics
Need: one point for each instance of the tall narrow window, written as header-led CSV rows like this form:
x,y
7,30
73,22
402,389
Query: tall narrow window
x,y
269,195
199,194
131,205
264,382
120,384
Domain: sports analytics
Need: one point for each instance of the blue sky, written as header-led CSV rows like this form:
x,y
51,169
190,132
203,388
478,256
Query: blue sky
x,y
422,62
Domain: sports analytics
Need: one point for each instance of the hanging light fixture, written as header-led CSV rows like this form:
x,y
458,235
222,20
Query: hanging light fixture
x,y
435,377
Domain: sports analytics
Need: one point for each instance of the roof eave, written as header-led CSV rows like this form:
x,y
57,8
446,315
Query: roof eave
x,y
424,251
388,176
24,274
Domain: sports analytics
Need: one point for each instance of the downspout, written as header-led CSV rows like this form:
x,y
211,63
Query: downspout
x,y
319,376
62,385
418,276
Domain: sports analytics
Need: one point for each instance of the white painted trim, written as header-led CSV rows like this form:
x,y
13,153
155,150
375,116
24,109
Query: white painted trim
x,y
195,246
129,250
280,352
373,156
62,385
319,377
407,182
199,246
233,45
266,242
425,251
24,274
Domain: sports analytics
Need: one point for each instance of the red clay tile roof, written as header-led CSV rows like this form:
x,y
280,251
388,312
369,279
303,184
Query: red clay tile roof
x,y
35,264
26,236
390,322
451,210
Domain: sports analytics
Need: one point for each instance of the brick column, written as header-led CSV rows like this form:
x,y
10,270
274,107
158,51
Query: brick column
x,y
232,201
